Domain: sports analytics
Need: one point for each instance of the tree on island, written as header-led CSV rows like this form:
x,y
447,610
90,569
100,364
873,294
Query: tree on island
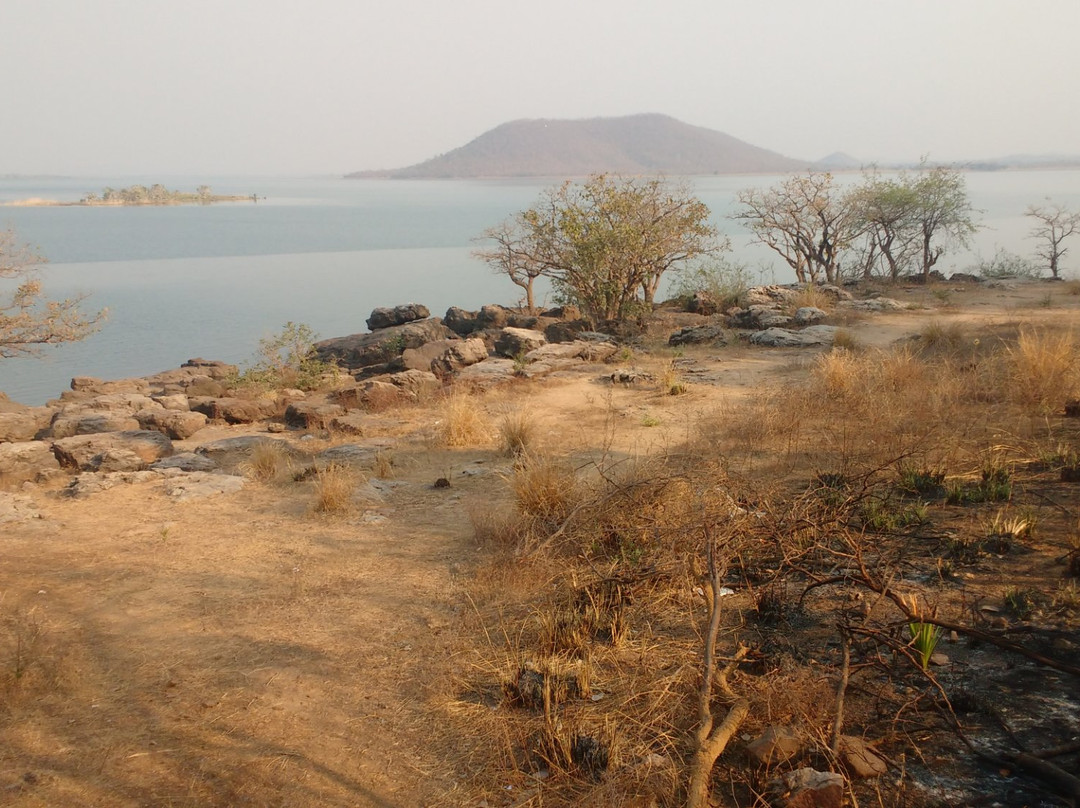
x,y
605,244
28,320
1053,224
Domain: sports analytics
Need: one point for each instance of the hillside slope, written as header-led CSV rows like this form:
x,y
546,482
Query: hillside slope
x,y
635,144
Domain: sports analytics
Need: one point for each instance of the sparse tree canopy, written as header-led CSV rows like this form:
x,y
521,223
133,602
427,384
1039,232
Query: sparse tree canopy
x,y
805,219
605,244
28,320
944,215
1053,224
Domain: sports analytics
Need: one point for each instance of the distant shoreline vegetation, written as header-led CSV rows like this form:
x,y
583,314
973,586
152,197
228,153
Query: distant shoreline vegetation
x,y
141,195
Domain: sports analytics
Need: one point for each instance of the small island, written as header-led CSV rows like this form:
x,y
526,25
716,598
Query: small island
x,y
156,194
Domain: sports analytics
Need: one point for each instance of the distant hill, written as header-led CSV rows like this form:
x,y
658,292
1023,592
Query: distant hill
x,y
635,144
838,161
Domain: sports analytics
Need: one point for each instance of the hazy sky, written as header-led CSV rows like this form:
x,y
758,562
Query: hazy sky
x,y
330,86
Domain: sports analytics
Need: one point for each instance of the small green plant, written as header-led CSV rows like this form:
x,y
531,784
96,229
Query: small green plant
x,y
650,421
1005,264
963,550
1046,301
286,359
1003,531
720,281
671,382
1020,603
924,640
921,481
880,515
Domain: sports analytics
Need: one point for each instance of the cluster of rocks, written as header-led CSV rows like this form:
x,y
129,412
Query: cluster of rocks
x,y
770,314
128,426
807,787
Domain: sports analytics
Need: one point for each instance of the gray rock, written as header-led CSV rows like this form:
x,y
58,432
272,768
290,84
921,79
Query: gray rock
x,y
185,461
876,304
518,341
490,373
214,368
808,315
92,423
783,338
228,450
200,484
399,315
85,485
461,322
699,335
365,350
173,401
80,451
351,423
20,462
415,383
771,295
445,356
567,330
809,788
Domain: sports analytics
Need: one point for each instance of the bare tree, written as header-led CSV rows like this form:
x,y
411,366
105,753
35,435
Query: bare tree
x,y
805,219
1053,224
28,320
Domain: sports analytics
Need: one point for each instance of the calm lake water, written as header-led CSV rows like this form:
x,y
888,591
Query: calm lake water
x,y
181,282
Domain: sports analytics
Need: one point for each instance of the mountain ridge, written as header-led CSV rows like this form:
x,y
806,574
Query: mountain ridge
x,y
647,143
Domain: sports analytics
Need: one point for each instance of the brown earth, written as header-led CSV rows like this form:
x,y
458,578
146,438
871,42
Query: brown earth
x,y
242,650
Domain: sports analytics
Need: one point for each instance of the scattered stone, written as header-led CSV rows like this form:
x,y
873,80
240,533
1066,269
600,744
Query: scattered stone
x,y
228,452
939,659
876,304
860,759
399,315
117,460
185,461
85,485
442,482
351,423
775,745
276,427
629,377
771,295
809,788
699,335
964,277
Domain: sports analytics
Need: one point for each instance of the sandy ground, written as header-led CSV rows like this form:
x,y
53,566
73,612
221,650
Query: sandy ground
x,y
240,650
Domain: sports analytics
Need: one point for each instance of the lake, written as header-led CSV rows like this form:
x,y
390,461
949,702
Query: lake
x,y
210,281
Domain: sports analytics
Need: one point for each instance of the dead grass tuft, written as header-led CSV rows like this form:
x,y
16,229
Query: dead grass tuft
x,y
268,463
460,421
335,486
1044,368
517,432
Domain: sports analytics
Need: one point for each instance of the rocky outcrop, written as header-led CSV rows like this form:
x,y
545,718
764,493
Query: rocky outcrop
x,y
235,410
710,334
365,350
399,315
86,452
785,338
24,424
808,315
514,342
26,461
83,423
312,414
445,356
178,425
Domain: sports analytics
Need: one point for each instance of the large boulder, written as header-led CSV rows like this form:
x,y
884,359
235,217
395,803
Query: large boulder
x,y
84,451
235,410
515,342
90,423
399,315
365,350
461,322
783,338
710,334
24,424
771,295
445,355
178,425
312,414
31,460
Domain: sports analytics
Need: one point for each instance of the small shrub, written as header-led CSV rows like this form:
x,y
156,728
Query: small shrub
x,y
1005,264
268,462
845,340
924,639
287,359
1044,368
720,280
811,296
517,433
650,420
671,381
1019,602
545,489
938,337
334,487
921,481
460,423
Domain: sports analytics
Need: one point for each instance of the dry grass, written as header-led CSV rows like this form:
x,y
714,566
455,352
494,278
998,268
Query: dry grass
x,y
810,296
268,463
335,486
1044,368
461,422
545,489
384,466
517,432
